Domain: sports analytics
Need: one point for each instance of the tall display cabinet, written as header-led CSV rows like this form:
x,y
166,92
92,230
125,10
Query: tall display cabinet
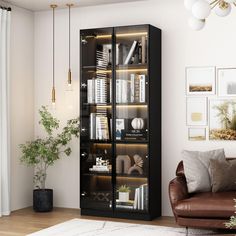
x,y
120,110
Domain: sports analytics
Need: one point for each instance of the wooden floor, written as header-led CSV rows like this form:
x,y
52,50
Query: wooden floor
x,y
26,221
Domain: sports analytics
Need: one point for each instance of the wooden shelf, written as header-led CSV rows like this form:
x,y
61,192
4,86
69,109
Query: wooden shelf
x,y
117,175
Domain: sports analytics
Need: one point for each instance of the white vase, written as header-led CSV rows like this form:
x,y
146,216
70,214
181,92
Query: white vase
x,y
124,196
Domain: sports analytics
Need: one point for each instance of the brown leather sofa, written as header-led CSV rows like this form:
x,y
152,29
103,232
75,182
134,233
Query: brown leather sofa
x,y
200,210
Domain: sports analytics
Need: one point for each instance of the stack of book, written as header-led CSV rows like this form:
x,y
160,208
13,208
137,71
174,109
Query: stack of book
x,y
124,205
100,168
132,90
141,198
99,128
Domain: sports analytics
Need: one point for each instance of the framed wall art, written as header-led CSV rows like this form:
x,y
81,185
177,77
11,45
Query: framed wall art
x,y
200,80
226,82
196,134
222,119
196,111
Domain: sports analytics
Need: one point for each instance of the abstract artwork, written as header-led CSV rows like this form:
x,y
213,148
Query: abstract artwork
x,y
196,111
227,82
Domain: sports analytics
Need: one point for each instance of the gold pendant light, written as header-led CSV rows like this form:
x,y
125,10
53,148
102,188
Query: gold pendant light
x,y
53,6
69,80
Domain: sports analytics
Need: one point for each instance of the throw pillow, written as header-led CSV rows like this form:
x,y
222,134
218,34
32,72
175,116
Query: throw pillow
x,y
223,175
196,168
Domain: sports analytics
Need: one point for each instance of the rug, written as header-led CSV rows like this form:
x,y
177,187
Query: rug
x,y
77,227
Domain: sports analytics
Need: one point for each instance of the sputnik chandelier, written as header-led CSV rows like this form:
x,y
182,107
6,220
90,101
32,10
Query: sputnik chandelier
x,y
201,9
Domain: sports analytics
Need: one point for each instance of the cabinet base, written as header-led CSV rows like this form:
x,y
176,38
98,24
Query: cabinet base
x,y
117,214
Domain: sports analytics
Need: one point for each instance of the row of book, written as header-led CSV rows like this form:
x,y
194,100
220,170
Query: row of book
x,y
99,128
132,90
98,90
126,53
140,200
134,54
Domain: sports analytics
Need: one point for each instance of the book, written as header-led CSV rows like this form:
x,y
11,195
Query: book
x,y
100,90
142,88
128,58
134,135
118,91
92,125
132,87
90,91
141,197
144,46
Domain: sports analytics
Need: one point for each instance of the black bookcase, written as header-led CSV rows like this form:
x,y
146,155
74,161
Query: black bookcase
x,y
120,110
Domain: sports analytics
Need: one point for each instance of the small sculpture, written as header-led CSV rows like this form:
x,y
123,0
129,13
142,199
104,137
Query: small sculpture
x,y
123,164
137,123
138,165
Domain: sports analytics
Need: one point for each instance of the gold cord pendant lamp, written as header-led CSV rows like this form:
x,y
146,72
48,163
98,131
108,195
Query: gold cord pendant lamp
x,y
53,6
69,80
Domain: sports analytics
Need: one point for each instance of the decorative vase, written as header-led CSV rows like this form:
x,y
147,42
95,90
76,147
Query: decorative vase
x,y
43,200
124,196
137,123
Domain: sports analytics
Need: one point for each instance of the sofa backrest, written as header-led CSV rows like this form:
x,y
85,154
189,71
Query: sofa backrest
x,y
180,167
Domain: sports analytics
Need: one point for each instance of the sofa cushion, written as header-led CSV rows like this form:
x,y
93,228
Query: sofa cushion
x,y
223,175
207,205
196,168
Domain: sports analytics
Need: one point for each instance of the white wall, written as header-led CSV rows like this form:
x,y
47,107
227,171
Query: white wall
x,y
181,47
21,103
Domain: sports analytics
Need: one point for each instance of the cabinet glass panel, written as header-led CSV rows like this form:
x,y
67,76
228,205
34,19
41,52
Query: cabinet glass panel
x,y
96,116
96,187
132,177
131,83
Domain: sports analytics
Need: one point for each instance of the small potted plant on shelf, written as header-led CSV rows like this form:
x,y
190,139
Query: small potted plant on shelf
x,y
123,191
44,152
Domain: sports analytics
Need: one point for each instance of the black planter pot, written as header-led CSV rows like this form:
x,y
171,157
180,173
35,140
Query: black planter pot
x,y
43,200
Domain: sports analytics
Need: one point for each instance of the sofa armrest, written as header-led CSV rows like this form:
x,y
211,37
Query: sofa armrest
x,y
178,191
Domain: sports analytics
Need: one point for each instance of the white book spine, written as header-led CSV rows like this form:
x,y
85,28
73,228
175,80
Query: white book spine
x,y
142,197
142,88
124,92
118,91
98,128
136,199
131,51
92,126
90,91
132,87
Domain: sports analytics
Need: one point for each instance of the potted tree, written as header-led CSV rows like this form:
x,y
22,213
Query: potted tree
x,y
44,152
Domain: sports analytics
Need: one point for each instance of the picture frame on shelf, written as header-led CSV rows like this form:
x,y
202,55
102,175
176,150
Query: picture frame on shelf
x,y
120,125
222,125
226,82
196,134
200,80
196,111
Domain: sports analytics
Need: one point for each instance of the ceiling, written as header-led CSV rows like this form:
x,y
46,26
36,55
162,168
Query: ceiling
x,y
39,5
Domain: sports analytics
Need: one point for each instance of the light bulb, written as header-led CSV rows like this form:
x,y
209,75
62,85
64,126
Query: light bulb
x,y
230,1
196,24
223,9
201,9
189,3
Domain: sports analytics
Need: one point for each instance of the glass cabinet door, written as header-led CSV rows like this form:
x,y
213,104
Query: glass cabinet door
x,y
131,112
96,118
